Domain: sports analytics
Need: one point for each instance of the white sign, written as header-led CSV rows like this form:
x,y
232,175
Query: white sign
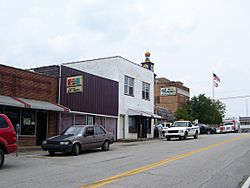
x,y
168,91
74,84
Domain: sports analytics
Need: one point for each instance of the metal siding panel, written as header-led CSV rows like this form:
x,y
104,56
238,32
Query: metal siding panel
x,y
100,95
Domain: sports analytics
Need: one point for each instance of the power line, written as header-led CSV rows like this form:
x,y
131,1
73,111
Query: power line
x,y
235,97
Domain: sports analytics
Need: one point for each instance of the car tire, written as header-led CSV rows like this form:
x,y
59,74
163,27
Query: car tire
x,y
185,136
51,152
168,138
76,149
105,146
1,158
196,135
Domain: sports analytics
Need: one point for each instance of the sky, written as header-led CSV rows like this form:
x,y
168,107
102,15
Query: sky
x,y
188,40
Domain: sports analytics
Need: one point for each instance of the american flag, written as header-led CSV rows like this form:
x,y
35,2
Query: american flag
x,y
215,77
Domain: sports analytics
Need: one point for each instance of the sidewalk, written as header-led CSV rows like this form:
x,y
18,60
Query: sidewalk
x,y
120,141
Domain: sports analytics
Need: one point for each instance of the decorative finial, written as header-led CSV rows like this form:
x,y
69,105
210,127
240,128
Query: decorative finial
x,y
147,56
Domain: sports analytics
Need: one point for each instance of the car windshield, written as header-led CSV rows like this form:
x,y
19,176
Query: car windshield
x,y
228,123
74,131
179,124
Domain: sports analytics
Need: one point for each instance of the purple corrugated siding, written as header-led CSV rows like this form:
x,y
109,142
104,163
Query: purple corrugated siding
x,y
67,121
80,119
99,96
110,126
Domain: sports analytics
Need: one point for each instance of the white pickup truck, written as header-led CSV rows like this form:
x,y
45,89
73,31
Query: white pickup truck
x,y
182,130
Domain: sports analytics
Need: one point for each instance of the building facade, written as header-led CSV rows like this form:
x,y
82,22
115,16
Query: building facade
x,y
170,94
135,90
30,100
90,98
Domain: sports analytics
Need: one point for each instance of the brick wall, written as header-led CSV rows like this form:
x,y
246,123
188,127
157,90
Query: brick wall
x,y
26,84
170,102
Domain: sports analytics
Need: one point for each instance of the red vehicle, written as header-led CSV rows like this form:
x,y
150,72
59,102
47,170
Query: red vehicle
x,y
7,137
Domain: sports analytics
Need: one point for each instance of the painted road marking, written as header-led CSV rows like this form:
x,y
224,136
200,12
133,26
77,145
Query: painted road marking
x,y
156,164
247,183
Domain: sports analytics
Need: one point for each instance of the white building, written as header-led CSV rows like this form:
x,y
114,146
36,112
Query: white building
x,y
136,92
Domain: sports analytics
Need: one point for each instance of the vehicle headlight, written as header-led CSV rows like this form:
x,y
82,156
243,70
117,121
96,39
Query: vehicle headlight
x,y
64,143
45,142
181,131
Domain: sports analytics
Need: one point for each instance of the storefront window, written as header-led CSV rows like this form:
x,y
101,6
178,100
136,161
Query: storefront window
x,y
132,124
90,120
28,124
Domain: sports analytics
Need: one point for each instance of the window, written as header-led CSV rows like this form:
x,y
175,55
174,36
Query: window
x,y
132,124
145,90
90,120
99,130
3,123
89,131
28,123
129,86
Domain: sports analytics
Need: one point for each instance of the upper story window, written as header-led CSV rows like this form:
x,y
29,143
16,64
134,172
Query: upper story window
x,y
145,90
129,86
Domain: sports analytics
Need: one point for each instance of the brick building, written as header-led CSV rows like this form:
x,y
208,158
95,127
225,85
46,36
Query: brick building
x,y
30,100
170,94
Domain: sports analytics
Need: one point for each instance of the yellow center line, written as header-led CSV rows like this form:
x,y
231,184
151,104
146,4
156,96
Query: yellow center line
x,y
156,164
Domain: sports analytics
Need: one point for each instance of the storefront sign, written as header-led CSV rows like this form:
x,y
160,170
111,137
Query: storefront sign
x,y
75,84
168,91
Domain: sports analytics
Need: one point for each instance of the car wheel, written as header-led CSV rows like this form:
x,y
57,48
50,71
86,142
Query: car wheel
x,y
196,135
168,138
185,136
105,146
1,158
180,138
51,152
76,149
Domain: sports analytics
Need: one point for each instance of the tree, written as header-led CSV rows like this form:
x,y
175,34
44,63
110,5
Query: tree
x,y
204,109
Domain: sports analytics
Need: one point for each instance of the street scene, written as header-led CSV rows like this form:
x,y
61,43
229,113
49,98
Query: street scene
x,y
124,94
219,160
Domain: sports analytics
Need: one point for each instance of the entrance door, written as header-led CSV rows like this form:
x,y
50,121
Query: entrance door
x,y
142,127
41,127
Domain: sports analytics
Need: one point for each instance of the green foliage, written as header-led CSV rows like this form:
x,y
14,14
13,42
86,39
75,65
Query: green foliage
x,y
204,109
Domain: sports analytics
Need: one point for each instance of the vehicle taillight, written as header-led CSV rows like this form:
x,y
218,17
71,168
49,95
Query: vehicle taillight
x,y
13,137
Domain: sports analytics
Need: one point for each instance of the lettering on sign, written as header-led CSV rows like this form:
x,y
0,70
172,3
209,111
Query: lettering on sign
x,y
75,84
168,91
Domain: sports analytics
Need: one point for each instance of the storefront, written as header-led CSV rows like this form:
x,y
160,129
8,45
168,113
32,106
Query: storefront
x,y
30,100
37,119
90,98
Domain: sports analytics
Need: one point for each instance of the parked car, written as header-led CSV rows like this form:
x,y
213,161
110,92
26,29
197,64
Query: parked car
x,y
77,138
204,129
182,130
7,138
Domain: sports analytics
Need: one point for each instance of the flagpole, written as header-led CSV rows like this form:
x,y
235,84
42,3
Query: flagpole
x,y
213,85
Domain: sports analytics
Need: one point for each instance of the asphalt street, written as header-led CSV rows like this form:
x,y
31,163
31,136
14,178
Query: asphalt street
x,y
221,160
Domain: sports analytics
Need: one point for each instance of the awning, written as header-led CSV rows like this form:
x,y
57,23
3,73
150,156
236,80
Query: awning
x,y
9,101
133,112
43,105
30,103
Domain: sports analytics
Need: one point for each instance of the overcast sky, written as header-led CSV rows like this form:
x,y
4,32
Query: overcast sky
x,y
188,39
